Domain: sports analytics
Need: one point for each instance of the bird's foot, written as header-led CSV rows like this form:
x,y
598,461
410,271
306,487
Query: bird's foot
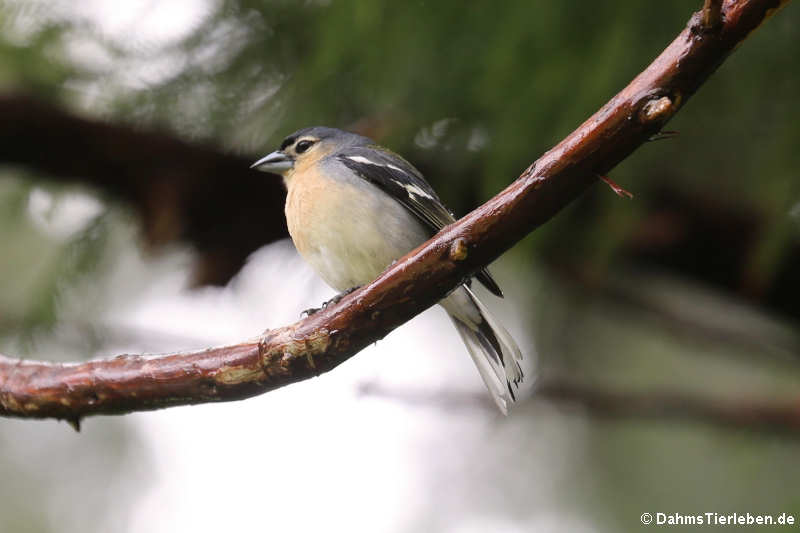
x,y
310,311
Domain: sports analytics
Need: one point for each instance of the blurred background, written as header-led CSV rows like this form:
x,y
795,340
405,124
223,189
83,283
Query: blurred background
x,y
664,329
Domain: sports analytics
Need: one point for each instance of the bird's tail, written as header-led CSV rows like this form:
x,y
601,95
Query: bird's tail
x,y
493,350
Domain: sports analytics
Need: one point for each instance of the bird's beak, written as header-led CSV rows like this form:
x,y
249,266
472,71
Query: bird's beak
x,y
277,162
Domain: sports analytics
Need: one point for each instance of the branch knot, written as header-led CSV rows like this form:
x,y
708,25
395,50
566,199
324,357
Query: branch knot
x,y
658,110
459,249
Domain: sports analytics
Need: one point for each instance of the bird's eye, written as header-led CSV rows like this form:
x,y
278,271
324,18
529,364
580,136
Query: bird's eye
x,y
302,146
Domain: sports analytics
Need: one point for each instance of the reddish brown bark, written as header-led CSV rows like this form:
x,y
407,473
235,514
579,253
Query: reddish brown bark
x,y
417,281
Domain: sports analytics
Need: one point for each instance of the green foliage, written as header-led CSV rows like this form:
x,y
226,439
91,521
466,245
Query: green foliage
x,y
31,52
39,259
488,88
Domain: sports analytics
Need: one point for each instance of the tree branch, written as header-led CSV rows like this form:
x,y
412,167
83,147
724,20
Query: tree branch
x,y
711,14
415,282
779,415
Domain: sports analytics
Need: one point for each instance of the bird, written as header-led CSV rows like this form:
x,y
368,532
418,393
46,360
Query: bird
x,y
354,207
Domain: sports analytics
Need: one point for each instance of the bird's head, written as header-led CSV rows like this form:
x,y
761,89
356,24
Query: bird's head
x,y
306,147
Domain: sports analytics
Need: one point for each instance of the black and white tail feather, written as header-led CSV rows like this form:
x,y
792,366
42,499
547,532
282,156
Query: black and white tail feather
x,y
492,348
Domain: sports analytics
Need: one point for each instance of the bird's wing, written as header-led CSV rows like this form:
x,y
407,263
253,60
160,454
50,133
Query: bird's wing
x,y
399,179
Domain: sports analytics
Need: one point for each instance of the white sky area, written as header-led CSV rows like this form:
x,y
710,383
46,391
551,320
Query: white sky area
x,y
64,216
317,455
126,23
143,29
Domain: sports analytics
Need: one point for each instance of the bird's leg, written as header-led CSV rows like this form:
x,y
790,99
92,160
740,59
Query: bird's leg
x,y
310,311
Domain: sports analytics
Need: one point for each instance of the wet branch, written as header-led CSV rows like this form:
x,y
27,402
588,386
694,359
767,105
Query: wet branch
x,y
321,342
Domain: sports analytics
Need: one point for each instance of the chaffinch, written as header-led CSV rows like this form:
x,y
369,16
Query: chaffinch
x,y
354,207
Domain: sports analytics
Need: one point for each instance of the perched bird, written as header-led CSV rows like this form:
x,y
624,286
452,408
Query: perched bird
x,y
354,207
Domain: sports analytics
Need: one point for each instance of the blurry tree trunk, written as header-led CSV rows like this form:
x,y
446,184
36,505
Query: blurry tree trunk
x,y
182,191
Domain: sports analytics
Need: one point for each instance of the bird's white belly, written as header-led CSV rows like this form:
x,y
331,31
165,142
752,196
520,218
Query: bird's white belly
x,y
350,232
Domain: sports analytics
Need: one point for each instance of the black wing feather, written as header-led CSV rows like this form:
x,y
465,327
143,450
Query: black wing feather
x,y
399,179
